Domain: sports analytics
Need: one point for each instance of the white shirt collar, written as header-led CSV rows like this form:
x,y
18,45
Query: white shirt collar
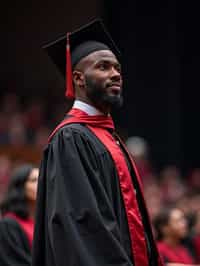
x,y
89,109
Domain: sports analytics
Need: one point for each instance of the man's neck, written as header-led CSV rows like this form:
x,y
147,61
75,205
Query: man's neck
x,y
87,108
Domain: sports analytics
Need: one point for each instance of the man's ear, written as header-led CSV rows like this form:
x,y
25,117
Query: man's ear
x,y
78,78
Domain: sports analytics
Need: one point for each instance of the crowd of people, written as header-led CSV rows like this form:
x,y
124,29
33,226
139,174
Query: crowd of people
x,y
173,200
27,120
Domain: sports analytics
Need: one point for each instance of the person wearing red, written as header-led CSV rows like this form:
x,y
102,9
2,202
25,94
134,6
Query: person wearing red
x,y
90,208
171,228
17,222
196,237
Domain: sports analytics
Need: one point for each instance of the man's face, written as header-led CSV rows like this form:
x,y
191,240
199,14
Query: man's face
x,y
103,81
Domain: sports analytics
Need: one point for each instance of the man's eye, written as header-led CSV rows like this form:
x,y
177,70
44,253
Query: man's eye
x,y
102,67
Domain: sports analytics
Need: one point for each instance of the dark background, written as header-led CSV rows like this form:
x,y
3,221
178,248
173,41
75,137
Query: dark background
x,y
160,44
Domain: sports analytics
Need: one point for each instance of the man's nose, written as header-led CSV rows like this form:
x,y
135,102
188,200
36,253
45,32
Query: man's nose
x,y
115,74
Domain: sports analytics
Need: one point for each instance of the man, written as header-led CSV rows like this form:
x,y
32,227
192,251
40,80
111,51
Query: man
x,y
91,210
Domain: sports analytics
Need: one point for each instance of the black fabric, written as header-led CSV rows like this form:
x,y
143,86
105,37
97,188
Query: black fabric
x,y
80,218
14,245
85,49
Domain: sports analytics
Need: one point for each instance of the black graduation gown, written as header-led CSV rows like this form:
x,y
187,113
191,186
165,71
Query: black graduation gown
x,y
14,245
80,218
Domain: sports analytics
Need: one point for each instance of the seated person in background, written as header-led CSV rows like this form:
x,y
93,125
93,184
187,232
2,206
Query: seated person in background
x,y
196,237
171,228
17,222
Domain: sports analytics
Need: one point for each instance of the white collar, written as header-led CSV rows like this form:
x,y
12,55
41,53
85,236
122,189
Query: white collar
x,y
89,109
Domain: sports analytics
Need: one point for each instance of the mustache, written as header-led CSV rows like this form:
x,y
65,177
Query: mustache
x,y
110,84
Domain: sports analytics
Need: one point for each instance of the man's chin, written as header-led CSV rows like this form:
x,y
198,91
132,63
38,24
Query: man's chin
x,y
114,101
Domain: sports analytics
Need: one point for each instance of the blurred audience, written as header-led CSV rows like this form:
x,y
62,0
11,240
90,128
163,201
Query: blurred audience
x,y
154,199
20,123
193,180
139,149
171,228
173,202
5,169
17,132
171,184
196,236
17,222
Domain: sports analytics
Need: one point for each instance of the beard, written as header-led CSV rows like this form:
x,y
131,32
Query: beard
x,y
99,96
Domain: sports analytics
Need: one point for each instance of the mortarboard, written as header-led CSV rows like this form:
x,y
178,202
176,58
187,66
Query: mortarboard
x,y
69,49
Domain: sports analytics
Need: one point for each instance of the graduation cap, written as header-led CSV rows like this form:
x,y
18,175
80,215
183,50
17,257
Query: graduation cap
x,y
68,50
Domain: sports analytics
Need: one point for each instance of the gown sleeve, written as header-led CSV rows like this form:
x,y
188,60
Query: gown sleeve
x,y
14,245
80,226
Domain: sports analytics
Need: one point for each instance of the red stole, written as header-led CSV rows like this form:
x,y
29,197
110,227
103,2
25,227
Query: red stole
x,y
99,125
27,225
